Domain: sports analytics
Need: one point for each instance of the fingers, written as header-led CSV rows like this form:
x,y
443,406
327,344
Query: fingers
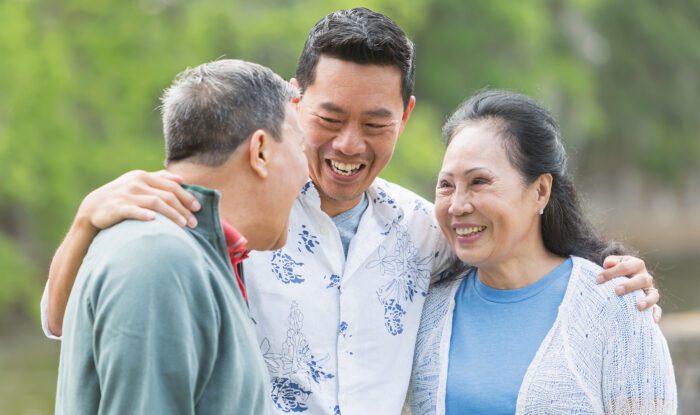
x,y
168,182
657,312
169,176
171,200
157,204
641,281
620,266
137,213
650,300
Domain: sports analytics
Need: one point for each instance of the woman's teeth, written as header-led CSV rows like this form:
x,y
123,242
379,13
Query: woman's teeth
x,y
469,231
345,169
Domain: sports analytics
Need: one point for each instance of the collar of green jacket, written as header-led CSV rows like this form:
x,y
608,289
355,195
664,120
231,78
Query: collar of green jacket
x,y
208,218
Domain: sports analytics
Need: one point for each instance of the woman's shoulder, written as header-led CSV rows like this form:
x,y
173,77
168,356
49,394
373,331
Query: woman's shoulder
x,y
440,295
448,281
588,293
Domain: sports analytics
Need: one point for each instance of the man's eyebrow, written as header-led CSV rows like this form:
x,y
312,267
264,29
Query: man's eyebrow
x,y
329,106
380,113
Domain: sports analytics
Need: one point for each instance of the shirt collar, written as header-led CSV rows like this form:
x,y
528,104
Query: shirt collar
x,y
381,201
235,242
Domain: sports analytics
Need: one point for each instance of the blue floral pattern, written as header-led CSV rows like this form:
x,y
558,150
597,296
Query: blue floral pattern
x,y
295,368
343,329
418,205
411,276
284,268
383,197
306,240
334,281
306,187
289,396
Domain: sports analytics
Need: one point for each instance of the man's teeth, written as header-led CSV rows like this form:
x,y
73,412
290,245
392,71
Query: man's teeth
x,y
345,169
469,231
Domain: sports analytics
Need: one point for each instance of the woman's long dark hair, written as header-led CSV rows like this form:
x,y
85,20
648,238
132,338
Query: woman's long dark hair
x,y
533,145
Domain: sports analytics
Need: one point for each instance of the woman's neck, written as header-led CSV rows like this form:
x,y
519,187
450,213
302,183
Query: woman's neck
x,y
519,271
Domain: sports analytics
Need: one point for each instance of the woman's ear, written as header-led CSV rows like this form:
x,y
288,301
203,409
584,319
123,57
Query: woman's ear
x,y
259,153
543,187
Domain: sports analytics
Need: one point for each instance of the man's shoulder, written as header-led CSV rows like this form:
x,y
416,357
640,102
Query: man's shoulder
x,y
143,247
134,232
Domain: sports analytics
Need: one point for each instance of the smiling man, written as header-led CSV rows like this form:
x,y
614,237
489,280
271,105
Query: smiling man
x,y
337,308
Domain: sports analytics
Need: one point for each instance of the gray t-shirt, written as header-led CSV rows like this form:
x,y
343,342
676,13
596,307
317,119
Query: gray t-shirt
x,y
348,221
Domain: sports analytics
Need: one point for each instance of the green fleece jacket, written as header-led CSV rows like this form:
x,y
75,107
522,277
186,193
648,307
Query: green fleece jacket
x,y
156,324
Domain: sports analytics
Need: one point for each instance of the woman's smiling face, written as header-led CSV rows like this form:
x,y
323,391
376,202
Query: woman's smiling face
x,y
484,207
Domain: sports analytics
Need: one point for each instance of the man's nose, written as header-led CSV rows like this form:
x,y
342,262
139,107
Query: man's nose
x,y
349,141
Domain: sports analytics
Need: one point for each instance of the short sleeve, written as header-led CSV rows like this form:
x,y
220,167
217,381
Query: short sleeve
x,y
44,306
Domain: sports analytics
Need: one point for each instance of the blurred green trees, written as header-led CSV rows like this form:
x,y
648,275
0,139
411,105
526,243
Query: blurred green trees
x,y
80,81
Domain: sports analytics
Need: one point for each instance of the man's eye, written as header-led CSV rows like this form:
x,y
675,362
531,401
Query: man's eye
x,y
373,125
328,120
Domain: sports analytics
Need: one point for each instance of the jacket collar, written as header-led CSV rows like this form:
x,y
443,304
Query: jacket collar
x,y
209,223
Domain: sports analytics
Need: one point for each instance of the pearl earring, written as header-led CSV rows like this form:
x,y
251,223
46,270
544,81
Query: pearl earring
x,y
541,212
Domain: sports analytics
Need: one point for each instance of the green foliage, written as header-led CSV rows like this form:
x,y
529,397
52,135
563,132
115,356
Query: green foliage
x,y
80,81
15,289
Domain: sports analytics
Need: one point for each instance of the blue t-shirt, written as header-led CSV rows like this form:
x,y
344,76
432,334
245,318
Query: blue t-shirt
x,y
495,335
348,221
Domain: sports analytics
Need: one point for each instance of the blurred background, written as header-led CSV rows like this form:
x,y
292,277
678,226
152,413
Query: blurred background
x,y
80,82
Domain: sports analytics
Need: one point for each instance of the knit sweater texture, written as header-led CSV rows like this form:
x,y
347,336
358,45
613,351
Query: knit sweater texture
x,y
601,356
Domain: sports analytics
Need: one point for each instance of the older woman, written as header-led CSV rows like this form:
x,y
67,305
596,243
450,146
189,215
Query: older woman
x,y
526,329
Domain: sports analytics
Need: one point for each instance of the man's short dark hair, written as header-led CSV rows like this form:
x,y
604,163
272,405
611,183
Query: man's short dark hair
x,y
361,36
210,110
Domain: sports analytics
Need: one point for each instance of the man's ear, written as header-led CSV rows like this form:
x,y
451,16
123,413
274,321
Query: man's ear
x,y
407,112
260,152
296,100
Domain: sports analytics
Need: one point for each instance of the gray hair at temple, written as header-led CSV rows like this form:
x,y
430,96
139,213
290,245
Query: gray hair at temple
x,y
210,110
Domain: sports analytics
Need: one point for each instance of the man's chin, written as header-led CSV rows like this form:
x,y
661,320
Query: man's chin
x,y
343,192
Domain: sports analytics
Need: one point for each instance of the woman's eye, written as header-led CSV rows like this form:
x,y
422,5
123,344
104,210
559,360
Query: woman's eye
x,y
443,184
480,180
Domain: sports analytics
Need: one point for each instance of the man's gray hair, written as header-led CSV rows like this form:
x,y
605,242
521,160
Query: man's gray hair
x,y
210,110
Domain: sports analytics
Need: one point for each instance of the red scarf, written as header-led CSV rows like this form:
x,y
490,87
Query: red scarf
x,y
235,243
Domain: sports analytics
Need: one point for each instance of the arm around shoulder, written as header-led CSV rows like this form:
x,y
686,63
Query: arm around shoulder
x,y
62,272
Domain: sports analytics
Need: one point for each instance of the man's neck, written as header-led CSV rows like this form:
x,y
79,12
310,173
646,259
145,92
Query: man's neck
x,y
239,212
334,207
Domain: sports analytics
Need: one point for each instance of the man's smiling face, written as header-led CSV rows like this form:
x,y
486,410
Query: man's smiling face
x,y
352,115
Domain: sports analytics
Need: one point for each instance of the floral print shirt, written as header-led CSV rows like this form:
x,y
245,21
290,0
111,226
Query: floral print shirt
x,y
338,333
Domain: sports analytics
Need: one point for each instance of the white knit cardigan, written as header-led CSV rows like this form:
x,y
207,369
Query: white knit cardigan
x,y
601,356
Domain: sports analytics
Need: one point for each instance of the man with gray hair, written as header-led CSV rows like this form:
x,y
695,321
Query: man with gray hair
x,y
156,323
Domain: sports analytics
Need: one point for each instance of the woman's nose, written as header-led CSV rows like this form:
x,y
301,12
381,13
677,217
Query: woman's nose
x,y
460,204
